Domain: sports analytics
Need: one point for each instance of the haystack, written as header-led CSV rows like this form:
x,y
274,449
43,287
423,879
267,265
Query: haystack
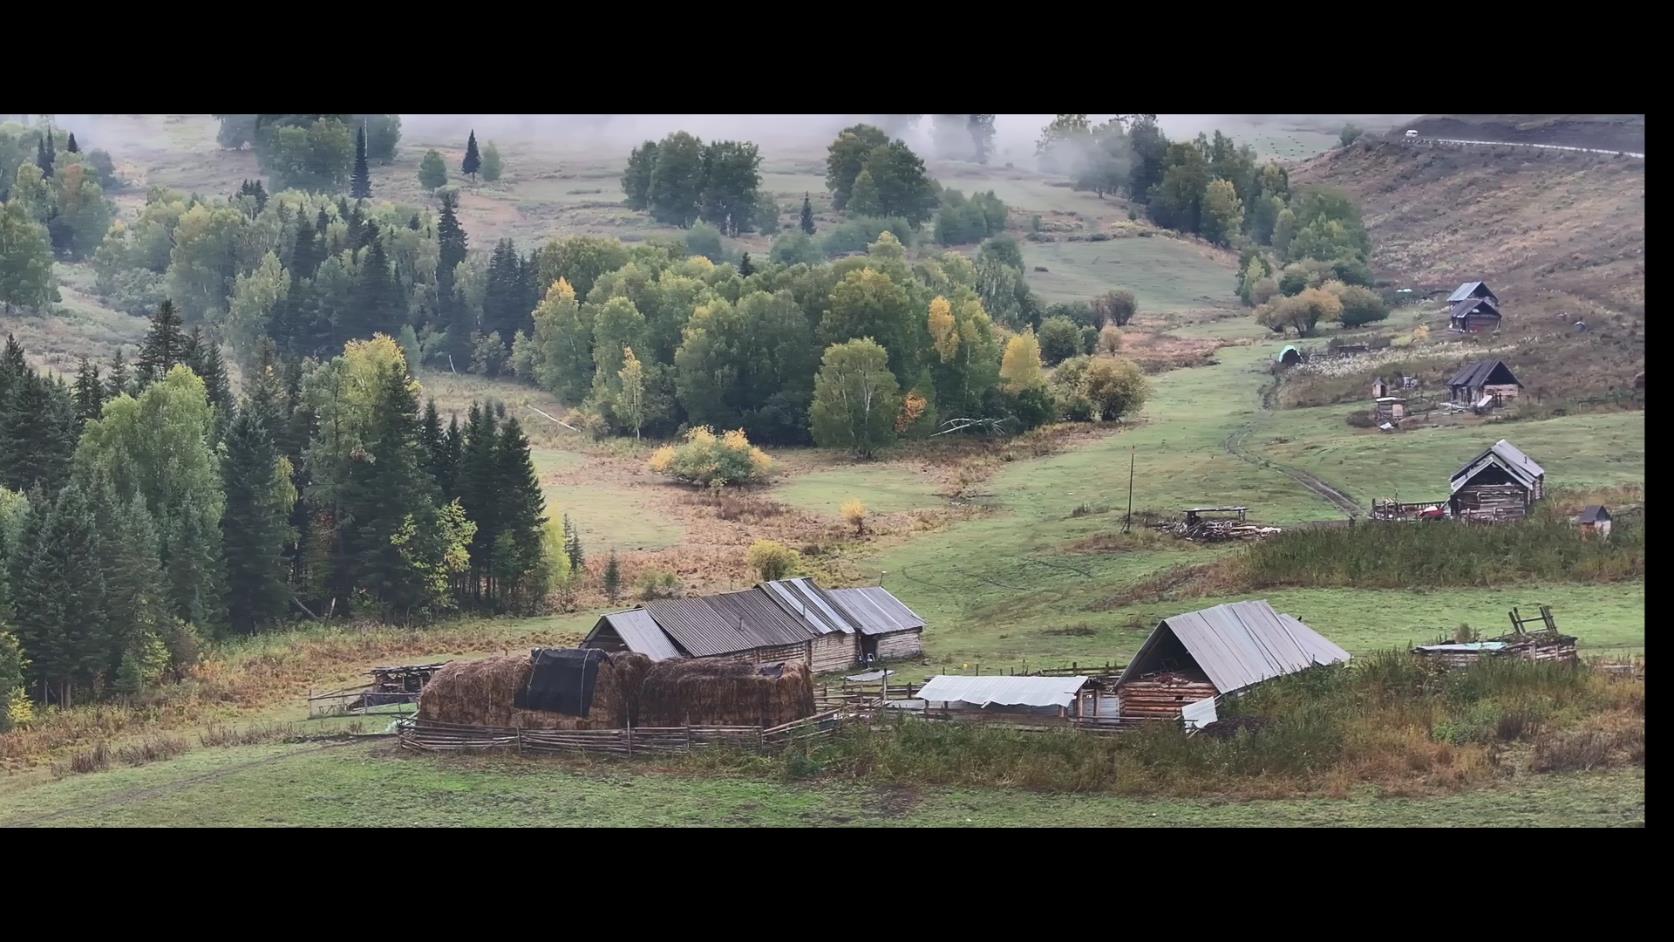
x,y
724,693
484,693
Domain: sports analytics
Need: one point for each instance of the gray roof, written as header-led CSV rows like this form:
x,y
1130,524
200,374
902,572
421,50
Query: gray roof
x,y
1469,305
1000,690
1240,644
876,610
1476,374
727,623
1521,467
1466,290
803,599
640,633
1592,513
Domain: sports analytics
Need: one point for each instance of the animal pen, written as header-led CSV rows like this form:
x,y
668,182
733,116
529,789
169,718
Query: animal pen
x,y
391,689
1545,643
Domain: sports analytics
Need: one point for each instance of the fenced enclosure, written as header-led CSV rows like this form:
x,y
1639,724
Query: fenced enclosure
x,y
435,736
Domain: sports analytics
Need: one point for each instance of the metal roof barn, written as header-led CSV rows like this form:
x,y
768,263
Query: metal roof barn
x,y
1519,466
1003,691
802,598
724,624
1236,645
639,633
876,610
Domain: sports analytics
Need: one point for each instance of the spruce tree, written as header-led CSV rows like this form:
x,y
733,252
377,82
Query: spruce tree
x,y
58,594
807,215
473,160
214,373
433,438
260,193
452,453
503,304
522,514
132,572
478,487
13,368
38,434
745,269
306,253
613,577
374,310
454,315
71,145
45,155
390,496
192,353
90,393
117,382
360,184
253,528
164,346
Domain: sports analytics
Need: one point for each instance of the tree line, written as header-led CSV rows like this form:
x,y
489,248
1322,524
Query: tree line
x,y
145,511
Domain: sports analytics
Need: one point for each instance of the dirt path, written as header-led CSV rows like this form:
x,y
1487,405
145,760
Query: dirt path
x,y
1234,445
141,794
1583,150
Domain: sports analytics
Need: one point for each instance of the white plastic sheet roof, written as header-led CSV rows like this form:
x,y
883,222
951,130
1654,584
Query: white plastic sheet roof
x,y
1003,691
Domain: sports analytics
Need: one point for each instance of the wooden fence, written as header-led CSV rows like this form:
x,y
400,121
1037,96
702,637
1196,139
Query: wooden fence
x,y
433,736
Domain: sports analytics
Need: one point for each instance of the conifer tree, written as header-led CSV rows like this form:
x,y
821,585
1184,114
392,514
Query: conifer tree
x,y
478,492
360,184
390,501
117,381
473,160
572,544
90,393
164,346
38,432
613,577
745,269
44,154
522,514
807,215
254,525
71,145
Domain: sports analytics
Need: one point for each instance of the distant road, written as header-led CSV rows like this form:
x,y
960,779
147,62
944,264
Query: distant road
x,y
1584,150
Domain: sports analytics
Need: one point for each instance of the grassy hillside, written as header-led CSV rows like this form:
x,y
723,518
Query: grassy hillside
x,y
1601,131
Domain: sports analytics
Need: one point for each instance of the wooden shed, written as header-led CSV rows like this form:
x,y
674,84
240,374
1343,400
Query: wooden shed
x,y
1214,652
1502,483
1594,521
1389,409
887,627
1484,378
1474,316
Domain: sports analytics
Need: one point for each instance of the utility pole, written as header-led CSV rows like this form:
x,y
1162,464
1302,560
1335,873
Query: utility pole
x,y
1128,520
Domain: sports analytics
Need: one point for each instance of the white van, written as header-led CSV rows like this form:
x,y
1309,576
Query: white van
x,y
1412,135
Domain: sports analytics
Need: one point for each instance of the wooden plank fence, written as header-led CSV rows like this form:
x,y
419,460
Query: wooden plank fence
x,y
433,736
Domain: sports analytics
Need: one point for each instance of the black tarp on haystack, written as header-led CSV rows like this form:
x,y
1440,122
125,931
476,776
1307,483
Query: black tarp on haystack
x,y
562,680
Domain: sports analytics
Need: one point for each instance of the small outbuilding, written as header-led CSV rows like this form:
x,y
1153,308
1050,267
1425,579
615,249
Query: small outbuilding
x,y
886,627
1391,409
1594,520
1009,699
1380,388
1474,316
1215,652
1502,483
1484,378
1290,356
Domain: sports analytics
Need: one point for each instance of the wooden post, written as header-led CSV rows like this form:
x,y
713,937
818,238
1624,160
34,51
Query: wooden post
x,y
1128,520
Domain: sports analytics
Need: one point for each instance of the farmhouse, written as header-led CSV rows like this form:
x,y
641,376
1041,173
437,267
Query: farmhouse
x,y
789,620
1214,652
1484,379
1499,484
1474,316
1009,699
1472,290
1594,520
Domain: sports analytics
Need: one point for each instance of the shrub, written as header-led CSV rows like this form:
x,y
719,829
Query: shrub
x,y
704,239
795,248
1101,389
1110,340
657,584
772,560
854,235
713,461
1116,307
854,512
1060,339
1360,305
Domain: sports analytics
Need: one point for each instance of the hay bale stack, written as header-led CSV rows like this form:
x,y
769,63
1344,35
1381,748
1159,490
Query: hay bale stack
x,y
485,693
723,693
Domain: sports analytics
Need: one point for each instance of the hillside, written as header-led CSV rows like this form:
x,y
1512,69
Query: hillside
x,y
1601,131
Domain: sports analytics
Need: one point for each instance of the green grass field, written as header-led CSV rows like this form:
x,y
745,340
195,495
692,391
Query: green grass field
x,y
1164,274
881,489
361,784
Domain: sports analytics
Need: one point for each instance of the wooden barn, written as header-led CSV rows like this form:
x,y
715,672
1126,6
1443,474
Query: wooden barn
x,y
1472,291
1474,316
1594,521
790,620
1502,483
1215,652
1484,379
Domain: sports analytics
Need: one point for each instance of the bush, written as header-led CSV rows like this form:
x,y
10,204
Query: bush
x,y
1349,134
856,234
854,512
713,461
1060,339
1360,305
1110,341
772,560
1092,389
704,239
657,584
1115,307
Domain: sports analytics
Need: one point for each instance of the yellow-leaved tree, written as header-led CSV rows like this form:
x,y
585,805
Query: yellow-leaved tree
x,y
1020,367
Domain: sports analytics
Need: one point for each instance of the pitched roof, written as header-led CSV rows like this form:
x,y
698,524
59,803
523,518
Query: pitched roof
x,y
1476,374
1466,290
876,610
727,623
1592,514
640,633
802,598
1003,691
1521,467
1240,644
1474,305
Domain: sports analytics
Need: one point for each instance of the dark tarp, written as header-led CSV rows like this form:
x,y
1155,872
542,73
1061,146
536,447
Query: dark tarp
x,y
562,680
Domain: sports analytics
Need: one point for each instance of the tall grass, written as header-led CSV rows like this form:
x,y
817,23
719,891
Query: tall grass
x,y
1399,555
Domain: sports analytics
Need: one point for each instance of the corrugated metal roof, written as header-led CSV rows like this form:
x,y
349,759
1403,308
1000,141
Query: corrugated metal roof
x,y
1240,644
640,633
1521,467
876,611
723,624
1476,374
1592,513
802,598
1465,290
1003,691
1474,305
